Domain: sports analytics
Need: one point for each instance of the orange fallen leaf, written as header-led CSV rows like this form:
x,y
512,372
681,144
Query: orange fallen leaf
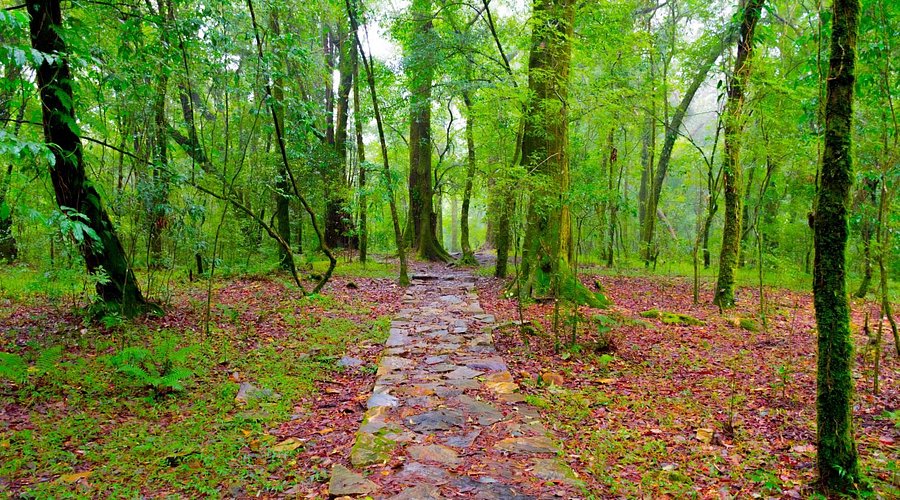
x,y
74,478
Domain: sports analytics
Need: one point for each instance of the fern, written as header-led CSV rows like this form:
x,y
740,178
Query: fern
x,y
13,367
48,359
159,369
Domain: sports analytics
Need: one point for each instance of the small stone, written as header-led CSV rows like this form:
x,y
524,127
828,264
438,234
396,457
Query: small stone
x,y
451,299
349,362
463,441
370,449
443,368
493,364
249,392
433,360
485,318
346,482
463,372
397,338
440,420
416,470
382,400
485,413
419,492
433,453
527,445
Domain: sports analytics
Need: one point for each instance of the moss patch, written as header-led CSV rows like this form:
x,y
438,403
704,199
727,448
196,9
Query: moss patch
x,y
671,318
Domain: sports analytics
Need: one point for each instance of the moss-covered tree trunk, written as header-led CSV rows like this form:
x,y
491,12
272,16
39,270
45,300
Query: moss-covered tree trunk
x,y
338,223
70,184
865,200
9,250
420,59
837,457
732,183
547,246
363,229
468,257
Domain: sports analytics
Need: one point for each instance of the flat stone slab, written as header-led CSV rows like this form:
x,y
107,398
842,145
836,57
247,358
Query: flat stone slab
x,y
527,445
381,399
463,372
440,420
420,492
463,441
433,453
345,482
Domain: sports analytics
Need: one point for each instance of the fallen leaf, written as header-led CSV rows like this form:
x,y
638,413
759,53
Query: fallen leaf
x,y
326,430
289,444
886,440
74,478
704,435
606,380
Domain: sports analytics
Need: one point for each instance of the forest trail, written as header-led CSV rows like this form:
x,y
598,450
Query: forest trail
x,y
445,418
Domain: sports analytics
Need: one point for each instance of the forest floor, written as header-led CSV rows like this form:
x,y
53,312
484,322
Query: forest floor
x,y
280,383
653,407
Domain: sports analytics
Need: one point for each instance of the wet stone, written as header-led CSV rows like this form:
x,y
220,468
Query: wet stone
x,y
443,368
440,420
485,413
433,453
346,482
463,441
463,372
419,492
527,445
433,360
382,400
493,364
416,470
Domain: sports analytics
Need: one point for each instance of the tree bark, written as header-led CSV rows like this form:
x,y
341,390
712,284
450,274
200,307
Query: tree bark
x,y
420,70
468,257
866,197
9,250
547,247
837,456
73,190
361,157
338,225
732,175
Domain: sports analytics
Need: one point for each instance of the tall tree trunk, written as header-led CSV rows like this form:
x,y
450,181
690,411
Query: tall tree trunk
x,y
837,457
547,247
159,186
732,184
338,226
361,157
615,179
866,198
392,201
468,257
70,184
421,190
282,182
9,250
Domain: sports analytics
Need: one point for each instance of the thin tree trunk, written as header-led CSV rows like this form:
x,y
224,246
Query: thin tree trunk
x,y
282,183
732,175
837,457
370,78
104,254
468,257
361,155
338,226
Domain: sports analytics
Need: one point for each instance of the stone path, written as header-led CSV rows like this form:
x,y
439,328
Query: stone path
x,y
445,419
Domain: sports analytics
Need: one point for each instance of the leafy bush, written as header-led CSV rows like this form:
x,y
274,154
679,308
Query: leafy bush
x,y
160,369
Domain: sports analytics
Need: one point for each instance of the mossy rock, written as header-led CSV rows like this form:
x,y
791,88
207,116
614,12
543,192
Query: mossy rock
x,y
671,318
371,449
